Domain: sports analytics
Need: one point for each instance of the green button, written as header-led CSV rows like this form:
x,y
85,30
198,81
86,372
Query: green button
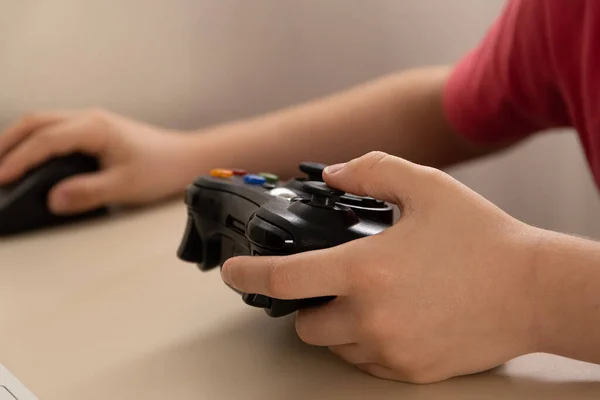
x,y
271,178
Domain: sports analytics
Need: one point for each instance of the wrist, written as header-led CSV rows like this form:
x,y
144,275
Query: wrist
x,y
534,291
196,152
549,293
567,288
183,160
522,299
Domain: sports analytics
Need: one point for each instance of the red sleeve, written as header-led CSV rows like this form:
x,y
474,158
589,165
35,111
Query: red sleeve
x,y
505,88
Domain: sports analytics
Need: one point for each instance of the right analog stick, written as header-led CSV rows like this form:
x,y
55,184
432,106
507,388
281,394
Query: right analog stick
x,y
322,194
313,170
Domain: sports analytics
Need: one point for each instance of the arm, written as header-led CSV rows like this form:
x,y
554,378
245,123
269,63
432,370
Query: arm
x,y
498,94
401,114
567,273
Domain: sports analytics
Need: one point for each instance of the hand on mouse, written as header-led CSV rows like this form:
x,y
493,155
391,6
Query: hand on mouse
x,y
446,291
140,163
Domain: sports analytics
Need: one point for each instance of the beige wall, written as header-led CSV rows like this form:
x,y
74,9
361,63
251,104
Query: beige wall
x,y
190,63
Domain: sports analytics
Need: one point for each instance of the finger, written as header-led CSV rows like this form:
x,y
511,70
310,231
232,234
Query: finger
x,y
326,325
84,192
377,175
26,125
353,353
378,371
309,274
48,142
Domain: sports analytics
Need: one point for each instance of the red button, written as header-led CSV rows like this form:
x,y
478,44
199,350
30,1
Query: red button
x,y
239,172
221,173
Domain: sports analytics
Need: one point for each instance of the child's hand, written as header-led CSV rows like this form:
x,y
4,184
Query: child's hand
x,y
446,291
140,163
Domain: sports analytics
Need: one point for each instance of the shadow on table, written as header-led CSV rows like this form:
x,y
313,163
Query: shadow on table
x,y
255,357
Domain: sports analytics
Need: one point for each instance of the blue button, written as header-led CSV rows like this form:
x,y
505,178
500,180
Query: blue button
x,y
254,179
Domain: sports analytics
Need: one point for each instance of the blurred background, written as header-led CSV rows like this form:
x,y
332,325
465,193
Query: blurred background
x,y
192,63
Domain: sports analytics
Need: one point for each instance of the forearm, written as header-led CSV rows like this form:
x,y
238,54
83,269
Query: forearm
x,y
400,114
568,279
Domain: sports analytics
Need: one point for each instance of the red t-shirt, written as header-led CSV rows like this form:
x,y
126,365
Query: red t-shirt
x,y
537,68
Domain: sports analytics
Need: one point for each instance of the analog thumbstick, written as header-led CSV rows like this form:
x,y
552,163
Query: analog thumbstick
x,y
313,170
322,195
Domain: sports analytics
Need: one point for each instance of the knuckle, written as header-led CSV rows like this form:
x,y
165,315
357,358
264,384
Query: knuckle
x,y
88,190
367,162
126,180
418,374
374,158
374,326
411,365
422,379
364,278
28,119
46,138
278,282
358,276
375,155
98,116
371,168
96,112
399,360
434,174
123,177
235,275
304,329
88,194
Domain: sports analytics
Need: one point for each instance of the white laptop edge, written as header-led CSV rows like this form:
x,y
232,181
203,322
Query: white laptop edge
x,y
11,388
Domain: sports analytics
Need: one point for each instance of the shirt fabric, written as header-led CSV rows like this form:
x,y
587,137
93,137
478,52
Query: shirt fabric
x,y
537,68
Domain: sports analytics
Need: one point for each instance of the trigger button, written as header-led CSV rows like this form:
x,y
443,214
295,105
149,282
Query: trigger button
x,y
257,300
190,249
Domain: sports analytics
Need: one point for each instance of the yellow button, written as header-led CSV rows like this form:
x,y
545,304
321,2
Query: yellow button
x,y
221,173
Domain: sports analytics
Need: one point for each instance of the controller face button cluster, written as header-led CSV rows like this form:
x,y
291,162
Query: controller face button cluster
x,y
266,179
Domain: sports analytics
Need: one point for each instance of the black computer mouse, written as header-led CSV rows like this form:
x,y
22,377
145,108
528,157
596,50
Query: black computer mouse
x,y
24,203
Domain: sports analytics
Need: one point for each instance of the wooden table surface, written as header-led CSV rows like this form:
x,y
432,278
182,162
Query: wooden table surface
x,y
105,310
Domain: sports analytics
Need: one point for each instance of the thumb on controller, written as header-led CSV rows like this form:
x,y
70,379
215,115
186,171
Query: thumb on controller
x,y
375,174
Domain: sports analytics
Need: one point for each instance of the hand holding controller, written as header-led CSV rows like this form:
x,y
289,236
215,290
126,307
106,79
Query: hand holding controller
x,y
232,213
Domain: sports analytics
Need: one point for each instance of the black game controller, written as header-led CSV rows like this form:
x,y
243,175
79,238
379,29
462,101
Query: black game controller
x,y
232,213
